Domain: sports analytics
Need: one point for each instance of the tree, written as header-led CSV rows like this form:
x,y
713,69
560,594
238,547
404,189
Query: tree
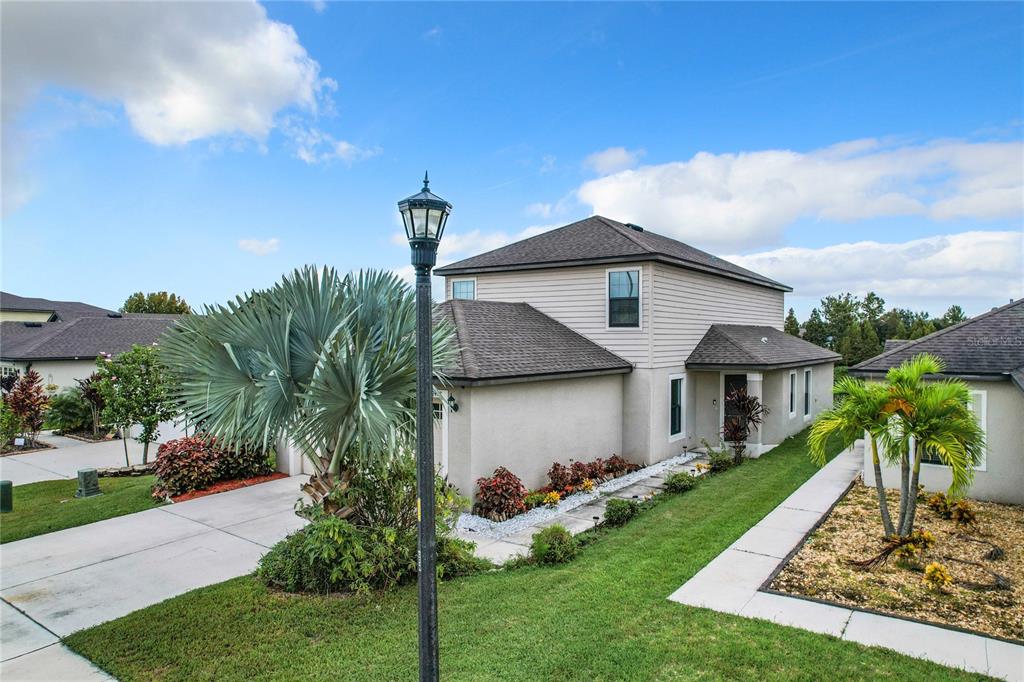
x,y
815,330
155,302
922,327
136,389
872,307
91,393
954,315
892,326
839,313
791,326
851,343
28,401
930,418
325,361
871,345
860,409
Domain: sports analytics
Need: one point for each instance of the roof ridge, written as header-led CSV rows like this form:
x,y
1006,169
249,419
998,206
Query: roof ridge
x,y
46,339
936,334
624,231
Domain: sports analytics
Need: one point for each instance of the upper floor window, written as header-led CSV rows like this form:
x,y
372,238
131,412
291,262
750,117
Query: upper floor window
x,y
624,298
464,288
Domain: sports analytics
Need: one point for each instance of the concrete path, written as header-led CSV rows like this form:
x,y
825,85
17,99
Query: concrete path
x,y
732,581
575,520
67,458
55,584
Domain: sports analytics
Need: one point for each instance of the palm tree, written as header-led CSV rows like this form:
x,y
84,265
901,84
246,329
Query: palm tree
x,y
860,410
325,361
930,418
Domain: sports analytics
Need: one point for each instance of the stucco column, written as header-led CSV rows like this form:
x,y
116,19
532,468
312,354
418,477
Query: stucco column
x,y
755,387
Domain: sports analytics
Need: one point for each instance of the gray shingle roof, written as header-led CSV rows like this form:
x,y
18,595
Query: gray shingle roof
x,y
601,240
515,340
82,337
990,344
66,310
754,347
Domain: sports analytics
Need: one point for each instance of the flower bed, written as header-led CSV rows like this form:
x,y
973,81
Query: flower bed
x,y
11,449
225,486
950,581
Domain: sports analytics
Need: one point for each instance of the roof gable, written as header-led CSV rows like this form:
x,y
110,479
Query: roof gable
x,y
66,310
601,240
990,344
754,347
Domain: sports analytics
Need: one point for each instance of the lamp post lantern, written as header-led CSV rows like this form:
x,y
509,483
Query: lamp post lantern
x,y
424,216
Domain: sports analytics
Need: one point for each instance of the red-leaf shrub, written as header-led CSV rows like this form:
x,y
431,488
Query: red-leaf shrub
x,y
617,466
243,462
568,479
501,496
184,465
560,476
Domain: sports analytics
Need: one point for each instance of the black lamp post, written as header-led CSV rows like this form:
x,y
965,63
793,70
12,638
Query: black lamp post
x,y
424,216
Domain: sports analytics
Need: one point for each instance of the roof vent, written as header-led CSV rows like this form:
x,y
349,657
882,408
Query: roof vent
x,y
114,315
33,324
634,227
764,339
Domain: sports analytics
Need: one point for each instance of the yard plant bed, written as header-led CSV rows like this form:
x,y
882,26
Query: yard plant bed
x,y
49,506
821,568
604,616
225,486
9,450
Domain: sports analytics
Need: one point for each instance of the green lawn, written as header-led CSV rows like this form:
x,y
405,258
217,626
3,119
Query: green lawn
x,y
51,505
603,617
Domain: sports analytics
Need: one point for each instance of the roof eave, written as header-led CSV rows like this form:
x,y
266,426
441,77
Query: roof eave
x,y
759,366
465,382
450,270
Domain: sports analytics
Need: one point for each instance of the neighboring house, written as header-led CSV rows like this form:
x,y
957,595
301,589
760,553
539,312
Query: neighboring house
x,y
20,309
66,348
601,338
987,352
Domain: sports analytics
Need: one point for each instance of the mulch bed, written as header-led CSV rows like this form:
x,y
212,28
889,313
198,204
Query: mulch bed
x,y
224,486
14,450
853,531
87,437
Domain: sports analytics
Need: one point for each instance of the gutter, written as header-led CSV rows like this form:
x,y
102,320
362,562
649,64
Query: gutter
x,y
465,382
710,366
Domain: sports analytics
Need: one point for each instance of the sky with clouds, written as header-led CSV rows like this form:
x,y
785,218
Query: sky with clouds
x,y
207,148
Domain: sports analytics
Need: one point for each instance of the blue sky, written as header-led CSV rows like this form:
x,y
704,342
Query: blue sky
x,y
834,147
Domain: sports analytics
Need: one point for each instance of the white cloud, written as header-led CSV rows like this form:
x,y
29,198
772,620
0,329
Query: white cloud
x,y
313,145
613,160
540,209
181,71
547,163
260,247
319,6
432,35
975,264
747,199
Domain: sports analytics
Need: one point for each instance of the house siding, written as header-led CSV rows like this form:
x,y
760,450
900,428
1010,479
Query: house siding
x,y
686,303
576,297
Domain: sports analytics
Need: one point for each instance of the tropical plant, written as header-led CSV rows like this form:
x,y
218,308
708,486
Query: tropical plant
x,y
90,387
500,496
29,402
156,302
860,408
10,425
748,413
69,412
184,465
136,389
325,361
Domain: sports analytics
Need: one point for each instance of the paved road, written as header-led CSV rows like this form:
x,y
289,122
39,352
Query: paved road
x,y
67,458
55,584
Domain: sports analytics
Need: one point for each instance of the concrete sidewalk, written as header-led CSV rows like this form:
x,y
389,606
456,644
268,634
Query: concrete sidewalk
x,y
67,457
731,583
55,584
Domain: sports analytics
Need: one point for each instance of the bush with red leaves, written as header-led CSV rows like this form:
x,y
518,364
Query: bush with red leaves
x,y
618,466
184,465
501,496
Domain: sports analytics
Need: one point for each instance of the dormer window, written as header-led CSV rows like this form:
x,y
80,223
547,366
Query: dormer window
x,y
464,288
624,298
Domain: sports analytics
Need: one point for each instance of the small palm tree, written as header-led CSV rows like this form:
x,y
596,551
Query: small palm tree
x,y
861,408
325,361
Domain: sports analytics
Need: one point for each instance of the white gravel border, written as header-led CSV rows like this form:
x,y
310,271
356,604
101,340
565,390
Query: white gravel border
x,y
537,515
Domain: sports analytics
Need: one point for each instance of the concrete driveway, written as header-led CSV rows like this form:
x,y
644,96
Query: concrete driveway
x,y
52,585
67,458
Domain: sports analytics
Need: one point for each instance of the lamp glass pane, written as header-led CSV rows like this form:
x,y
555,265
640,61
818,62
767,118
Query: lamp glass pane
x,y
433,218
406,221
419,220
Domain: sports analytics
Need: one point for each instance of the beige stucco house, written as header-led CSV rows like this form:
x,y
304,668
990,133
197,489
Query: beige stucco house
x,y
987,352
602,338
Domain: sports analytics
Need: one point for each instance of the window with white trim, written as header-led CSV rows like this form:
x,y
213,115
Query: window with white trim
x,y
8,371
677,406
792,394
979,407
624,298
807,393
464,288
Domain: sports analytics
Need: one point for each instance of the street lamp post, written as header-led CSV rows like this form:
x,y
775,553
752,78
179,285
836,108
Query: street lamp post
x,y
424,216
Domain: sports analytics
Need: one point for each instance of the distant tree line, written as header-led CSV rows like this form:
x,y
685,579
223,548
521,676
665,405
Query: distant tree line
x,y
858,328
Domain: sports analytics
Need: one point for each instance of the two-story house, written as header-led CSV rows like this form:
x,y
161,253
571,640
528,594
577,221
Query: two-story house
x,y
601,337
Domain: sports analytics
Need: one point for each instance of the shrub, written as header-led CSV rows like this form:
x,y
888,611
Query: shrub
x,y
553,545
552,499
534,499
242,462
560,476
680,482
587,486
618,466
936,576
940,505
184,465
618,512
919,542
500,497
720,460
963,514
455,558
27,400
10,425
70,412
